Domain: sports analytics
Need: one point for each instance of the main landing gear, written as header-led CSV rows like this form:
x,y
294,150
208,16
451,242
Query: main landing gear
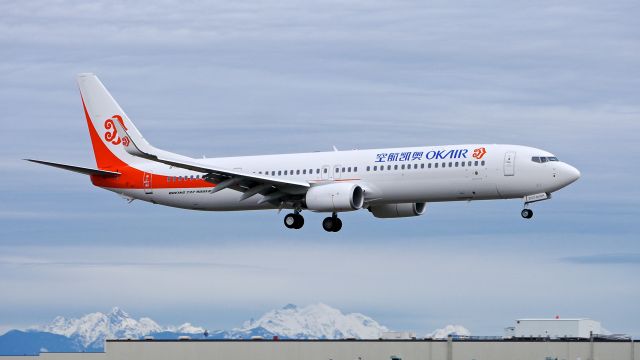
x,y
293,220
332,223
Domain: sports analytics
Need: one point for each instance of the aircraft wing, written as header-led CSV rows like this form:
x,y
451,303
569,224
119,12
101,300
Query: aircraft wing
x,y
274,189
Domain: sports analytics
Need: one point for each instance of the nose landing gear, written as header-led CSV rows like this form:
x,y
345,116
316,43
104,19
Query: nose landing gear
x,y
332,223
293,220
527,213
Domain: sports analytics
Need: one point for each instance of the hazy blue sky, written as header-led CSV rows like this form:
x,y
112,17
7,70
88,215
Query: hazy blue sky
x,y
240,78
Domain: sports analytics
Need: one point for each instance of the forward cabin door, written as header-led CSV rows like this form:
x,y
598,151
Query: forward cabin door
x,y
509,163
146,183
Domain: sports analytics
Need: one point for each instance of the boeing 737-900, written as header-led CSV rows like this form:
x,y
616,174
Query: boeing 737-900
x,y
390,183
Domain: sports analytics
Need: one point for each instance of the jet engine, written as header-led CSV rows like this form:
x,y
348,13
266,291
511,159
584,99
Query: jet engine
x,y
335,197
386,211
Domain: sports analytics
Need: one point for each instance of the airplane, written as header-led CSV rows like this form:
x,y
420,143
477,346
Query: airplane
x,y
390,183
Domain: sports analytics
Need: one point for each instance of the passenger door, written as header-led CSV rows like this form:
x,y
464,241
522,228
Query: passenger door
x,y
509,163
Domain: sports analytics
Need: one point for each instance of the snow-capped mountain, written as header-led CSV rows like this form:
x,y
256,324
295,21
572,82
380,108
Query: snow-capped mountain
x,y
317,321
186,328
444,332
88,333
93,329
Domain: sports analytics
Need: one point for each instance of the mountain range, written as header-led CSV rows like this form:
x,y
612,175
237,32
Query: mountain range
x,y
89,332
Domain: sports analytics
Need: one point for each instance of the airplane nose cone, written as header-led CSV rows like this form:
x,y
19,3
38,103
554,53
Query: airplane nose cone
x,y
571,174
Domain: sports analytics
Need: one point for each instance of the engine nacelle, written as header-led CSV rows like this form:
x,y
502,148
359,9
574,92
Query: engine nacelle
x,y
335,197
398,210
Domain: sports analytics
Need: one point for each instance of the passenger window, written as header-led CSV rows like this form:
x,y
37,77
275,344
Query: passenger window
x,y
469,163
415,166
444,164
355,169
304,171
337,170
450,164
429,165
349,169
475,163
368,168
456,164
462,163
482,163
343,170
279,172
435,165
389,167
297,172
402,166
285,172
375,168
326,170
395,167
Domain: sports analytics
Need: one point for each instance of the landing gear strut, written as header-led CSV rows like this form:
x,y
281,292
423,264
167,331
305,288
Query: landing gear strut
x,y
528,213
332,223
293,220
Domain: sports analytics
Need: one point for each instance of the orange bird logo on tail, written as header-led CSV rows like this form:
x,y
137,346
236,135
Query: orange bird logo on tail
x,y
112,134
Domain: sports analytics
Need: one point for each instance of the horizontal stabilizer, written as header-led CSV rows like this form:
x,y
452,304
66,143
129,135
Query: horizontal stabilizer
x,y
78,169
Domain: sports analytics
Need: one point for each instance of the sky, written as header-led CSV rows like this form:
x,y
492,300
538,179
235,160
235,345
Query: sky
x,y
221,78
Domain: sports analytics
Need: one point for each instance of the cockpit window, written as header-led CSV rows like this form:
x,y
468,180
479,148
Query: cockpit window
x,y
543,159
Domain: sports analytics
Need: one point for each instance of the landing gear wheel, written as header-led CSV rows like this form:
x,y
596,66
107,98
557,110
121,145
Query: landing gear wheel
x,y
337,225
527,213
332,224
293,221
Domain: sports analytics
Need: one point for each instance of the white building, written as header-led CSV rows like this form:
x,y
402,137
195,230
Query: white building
x,y
556,328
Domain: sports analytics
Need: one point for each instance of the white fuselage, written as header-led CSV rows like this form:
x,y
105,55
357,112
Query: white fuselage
x,y
410,175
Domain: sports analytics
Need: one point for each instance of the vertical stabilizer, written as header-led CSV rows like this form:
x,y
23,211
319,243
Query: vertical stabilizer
x,y
101,112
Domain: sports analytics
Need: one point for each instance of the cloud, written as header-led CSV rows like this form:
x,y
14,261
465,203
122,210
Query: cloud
x,y
605,259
